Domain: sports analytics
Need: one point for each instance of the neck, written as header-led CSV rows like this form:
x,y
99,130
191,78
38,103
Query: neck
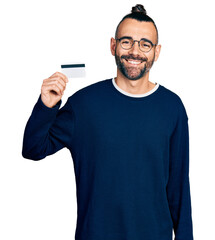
x,y
139,86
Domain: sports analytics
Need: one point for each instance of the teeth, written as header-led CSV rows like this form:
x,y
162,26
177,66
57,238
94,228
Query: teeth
x,y
134,62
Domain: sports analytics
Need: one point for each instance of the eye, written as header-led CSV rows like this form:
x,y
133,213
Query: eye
x,y
125,41
145,44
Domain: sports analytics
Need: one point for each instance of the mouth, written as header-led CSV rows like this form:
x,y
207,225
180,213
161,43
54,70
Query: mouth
x,y
134,62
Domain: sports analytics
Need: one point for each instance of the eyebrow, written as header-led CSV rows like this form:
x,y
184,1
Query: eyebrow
x,y
129,37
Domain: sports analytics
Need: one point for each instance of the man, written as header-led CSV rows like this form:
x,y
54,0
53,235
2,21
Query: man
x,y
129,141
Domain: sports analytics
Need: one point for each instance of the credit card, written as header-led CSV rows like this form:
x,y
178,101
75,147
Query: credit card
x,y
74,70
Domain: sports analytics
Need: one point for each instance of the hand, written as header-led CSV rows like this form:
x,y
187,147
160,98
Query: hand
x,y
53,88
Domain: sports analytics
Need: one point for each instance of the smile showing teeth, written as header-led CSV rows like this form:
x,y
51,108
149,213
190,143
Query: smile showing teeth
x,y
134,62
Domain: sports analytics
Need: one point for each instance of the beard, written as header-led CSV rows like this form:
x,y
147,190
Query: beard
x,y
133,73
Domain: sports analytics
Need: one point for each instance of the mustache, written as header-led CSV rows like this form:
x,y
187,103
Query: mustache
x,y
131,57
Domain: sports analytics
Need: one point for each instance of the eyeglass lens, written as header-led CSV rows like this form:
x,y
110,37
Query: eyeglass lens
x,y
127,43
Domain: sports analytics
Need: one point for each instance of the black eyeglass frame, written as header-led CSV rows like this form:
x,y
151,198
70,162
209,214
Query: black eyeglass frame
x,y
145,39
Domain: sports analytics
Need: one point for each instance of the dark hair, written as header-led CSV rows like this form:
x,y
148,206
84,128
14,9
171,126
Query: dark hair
x,y
138,13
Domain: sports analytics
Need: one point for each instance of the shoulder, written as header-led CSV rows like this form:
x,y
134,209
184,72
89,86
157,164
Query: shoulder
x,y
90,89
89,93
173,102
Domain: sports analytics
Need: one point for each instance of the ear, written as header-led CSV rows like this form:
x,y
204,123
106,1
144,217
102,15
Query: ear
x,y
113,46
157,51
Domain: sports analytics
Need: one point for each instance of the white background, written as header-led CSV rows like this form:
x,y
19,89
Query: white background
x,y
38,198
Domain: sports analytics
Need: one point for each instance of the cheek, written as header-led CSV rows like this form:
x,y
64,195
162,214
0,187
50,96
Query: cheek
x,y
120,52
117,52
151,56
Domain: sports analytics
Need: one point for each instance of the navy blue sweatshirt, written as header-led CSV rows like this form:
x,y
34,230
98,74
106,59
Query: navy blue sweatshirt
x,y
131,160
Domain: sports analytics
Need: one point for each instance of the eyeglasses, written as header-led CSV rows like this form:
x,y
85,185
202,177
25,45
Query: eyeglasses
x,y
127,43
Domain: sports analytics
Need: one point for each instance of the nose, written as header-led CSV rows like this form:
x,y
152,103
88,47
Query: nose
x,y
135,48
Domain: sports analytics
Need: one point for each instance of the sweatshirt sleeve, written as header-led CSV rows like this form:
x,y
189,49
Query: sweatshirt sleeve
x,y
48,130
178,186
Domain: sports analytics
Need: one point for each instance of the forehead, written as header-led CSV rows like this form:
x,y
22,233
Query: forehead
x,y
137,29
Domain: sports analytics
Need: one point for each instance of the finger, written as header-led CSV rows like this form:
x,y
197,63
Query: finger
x,y
55,82
64,77
53,87
55,78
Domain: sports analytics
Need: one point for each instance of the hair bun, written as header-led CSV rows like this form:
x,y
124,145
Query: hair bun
x,y
139,8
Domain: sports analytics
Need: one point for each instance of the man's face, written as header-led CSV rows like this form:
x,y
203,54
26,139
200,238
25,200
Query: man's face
x,y
123,58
